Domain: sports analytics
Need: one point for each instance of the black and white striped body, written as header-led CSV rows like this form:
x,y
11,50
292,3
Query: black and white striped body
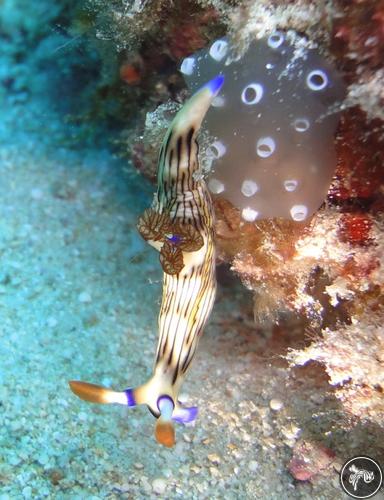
x,y
182,202
188,296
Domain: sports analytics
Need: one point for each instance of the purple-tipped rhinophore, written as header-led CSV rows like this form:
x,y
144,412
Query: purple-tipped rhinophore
x,y
174,238
215,84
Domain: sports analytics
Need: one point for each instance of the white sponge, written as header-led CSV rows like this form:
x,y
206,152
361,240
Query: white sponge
x,y
273,125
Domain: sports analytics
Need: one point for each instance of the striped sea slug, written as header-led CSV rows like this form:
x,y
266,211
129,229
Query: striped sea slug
x,y
180,225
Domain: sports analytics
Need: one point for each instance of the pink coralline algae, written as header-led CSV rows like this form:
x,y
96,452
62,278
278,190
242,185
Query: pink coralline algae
x,y
355,228
310,459
360,152
358,35
190,34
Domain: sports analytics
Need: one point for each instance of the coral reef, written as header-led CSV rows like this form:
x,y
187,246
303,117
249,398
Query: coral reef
x,y
358,44
139,45
353,357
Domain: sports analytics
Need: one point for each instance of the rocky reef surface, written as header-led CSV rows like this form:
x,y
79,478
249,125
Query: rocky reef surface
x,y
290,373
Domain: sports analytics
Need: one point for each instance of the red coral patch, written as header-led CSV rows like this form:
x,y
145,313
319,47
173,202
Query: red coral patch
x,y
355,228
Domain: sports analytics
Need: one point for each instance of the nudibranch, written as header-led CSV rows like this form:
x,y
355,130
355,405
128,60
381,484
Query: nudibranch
x,y
180,225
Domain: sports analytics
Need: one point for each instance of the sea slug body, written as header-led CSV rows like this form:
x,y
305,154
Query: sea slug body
x,y
180,225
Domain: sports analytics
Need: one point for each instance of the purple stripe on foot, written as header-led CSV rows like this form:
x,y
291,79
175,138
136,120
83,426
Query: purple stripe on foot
x,y
185,415
130,397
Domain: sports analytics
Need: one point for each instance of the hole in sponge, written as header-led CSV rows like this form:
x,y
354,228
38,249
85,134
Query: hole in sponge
x,y
249,214
218,50
249,188
301,124
265,147
299,212
188,66
215,186
275,40
252,93
317,80
218,101
290,185
216,150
